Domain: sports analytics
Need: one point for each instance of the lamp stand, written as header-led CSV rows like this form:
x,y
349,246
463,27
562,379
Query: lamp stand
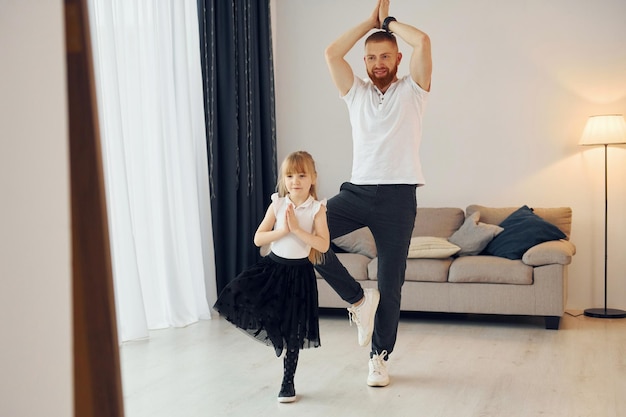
x,y
605,313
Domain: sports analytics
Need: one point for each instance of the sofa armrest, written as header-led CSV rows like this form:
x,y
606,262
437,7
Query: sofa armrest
x,y
552,252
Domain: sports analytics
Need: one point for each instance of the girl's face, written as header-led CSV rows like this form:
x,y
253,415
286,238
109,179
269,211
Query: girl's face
x,y
298,185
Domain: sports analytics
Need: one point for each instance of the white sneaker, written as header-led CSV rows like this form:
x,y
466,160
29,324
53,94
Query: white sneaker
x,y
378,376
364,314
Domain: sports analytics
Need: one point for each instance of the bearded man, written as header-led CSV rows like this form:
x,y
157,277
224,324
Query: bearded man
x,y
386,116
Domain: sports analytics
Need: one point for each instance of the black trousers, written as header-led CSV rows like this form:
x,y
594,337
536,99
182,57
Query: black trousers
x,y
389,211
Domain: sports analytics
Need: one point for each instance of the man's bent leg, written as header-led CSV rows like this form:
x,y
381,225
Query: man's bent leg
x,y
338,277
345,214
351,291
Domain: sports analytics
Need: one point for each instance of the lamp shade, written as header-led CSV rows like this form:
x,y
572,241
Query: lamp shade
x,y
609,129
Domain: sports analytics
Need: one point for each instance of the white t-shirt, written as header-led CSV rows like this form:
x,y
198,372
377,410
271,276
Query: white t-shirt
x,y
386,132
289,246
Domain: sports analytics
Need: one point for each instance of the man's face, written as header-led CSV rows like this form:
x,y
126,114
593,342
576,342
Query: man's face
x,y
381,62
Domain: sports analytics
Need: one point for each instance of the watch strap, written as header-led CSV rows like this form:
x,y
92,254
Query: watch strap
x,y
385,25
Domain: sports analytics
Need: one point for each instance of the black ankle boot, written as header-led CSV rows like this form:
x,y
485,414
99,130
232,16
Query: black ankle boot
x,y
287,392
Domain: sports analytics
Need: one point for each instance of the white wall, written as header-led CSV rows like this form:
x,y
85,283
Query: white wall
x,y
513,85
35,259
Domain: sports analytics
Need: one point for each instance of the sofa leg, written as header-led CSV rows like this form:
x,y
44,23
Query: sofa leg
x,y
552,322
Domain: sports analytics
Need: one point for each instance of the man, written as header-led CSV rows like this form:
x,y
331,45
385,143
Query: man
x,y
386,116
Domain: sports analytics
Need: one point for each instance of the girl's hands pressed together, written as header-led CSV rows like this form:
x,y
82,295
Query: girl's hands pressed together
x,y
291,219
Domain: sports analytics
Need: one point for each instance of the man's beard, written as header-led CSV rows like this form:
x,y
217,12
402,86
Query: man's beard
x,y
383,82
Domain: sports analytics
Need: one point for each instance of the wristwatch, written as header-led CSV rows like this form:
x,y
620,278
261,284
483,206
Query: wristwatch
x,y
386,22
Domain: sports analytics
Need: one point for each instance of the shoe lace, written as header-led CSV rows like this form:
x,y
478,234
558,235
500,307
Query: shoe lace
x,y
378,361
353,316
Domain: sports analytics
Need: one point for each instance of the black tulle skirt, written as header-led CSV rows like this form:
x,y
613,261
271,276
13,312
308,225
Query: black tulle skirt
x,y
275,302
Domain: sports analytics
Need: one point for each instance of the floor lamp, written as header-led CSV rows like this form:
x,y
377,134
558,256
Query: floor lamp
x,y
605,130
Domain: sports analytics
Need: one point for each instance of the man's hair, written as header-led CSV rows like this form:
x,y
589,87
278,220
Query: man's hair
x,y
381,36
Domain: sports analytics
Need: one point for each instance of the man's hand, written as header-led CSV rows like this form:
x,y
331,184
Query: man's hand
x,y
375,17
383,11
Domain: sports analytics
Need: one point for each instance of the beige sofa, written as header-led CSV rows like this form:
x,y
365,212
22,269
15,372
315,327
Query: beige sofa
x,y
474,279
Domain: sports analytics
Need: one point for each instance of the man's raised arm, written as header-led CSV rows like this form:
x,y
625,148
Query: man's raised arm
x,y
421,65
340,70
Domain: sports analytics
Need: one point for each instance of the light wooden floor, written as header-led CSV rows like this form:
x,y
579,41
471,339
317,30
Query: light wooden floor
x,y
450,366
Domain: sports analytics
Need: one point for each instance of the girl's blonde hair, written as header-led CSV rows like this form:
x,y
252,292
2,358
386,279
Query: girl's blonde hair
x,y
295,163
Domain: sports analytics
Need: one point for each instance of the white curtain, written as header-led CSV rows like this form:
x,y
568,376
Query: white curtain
x,y
149,88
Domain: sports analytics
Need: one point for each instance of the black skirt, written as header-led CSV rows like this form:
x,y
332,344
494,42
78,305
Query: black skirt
x,y
275,302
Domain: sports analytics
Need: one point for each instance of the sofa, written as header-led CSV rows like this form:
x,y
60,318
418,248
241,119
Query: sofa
x,y
484,260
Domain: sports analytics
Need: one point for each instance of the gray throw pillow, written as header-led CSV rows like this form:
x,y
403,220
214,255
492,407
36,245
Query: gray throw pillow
x,y
359,241
474,236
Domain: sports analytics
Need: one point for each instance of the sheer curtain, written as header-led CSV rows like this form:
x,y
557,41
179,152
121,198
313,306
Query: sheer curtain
x,y
149,86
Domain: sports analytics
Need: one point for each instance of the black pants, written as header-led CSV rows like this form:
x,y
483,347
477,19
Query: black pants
x,y
389,211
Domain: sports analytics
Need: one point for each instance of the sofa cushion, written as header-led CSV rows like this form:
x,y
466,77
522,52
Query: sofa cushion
x,y
355,263
490,269
430,270
360,241
522,230
552,252
431,247
438,222
561,217
473,236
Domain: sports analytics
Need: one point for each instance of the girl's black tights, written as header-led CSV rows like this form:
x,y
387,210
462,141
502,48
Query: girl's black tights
x,y
290,362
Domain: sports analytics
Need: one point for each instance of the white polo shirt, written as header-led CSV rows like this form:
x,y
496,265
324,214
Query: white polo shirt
x,y
386,132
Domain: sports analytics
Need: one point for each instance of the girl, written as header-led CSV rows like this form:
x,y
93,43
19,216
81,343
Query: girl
x,y
275,301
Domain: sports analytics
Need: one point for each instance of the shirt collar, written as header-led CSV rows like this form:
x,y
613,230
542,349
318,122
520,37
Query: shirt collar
x,y
306,203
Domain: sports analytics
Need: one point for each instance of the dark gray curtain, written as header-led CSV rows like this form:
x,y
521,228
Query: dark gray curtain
x,y
238,78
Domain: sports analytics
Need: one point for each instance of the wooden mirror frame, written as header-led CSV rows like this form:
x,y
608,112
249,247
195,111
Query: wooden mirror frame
x,y
97,375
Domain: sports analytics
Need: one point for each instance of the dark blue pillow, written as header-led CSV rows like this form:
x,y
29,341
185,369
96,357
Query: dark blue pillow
x,y
523,229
